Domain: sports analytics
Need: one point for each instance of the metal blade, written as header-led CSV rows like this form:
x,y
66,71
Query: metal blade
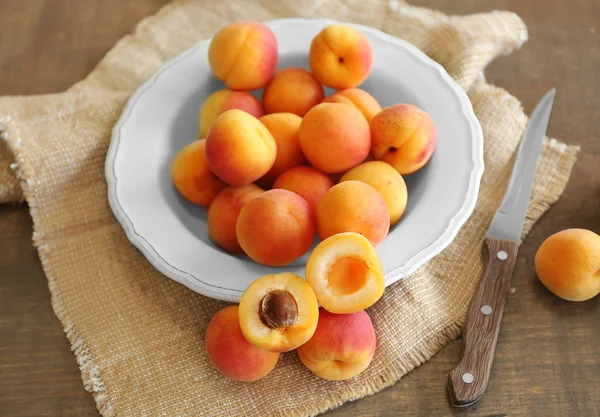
x,y
508,221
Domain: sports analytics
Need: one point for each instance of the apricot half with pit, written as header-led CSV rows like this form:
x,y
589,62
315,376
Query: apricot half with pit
x,y
345,273
278,312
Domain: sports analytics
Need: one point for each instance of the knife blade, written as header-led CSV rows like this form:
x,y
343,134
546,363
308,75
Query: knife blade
x,y
468,381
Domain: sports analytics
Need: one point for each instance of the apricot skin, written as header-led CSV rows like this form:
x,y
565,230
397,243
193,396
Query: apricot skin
x,y
223,214
404,136
342,347
292,90
276,228
231,354
284,128
239,148
223,100
568,264
340,57
244,55
309,183
192,175
334,137
387,181
353,206
362,100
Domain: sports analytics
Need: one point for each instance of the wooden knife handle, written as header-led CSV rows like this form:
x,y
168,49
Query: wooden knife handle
x,y
468,381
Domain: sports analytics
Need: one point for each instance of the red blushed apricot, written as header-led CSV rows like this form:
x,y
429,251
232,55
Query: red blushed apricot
x,y
223,214
276,228
342,347
387,181
292,90
239,148
307,182
363,101
223,100
345,273
229,351
404,136
244,55
278,312
284,128
568,264
353,206
192,176
334,137
340,57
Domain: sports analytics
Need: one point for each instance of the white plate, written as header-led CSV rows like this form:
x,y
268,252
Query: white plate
x,y
161,117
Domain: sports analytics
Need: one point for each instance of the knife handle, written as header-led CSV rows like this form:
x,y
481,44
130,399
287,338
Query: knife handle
x,y
468,381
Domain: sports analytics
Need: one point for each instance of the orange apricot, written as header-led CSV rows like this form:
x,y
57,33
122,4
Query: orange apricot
x,y
192,176
223,100
292,90
278,312
363,101
308,182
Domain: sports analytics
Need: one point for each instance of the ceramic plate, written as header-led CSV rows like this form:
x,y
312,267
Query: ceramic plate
x,y
162,117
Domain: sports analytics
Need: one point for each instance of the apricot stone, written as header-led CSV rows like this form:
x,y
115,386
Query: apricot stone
x,y
192,176
239,148
223,100
340,57
229,351
292,90
387,181
278,312
568,264
342,347
308,182
284,128
223,214
363,101
276,227
404,136
353,206
244,55
345,273
334,137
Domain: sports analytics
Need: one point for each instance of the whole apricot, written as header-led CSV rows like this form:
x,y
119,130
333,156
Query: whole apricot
x,y
292,90
229,351
223,100
568,264
308,182
363,101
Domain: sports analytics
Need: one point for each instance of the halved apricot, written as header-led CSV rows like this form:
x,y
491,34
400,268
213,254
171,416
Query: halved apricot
x,y
278,312
345,273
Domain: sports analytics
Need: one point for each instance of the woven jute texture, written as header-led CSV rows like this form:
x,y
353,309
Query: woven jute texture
x,y
138,336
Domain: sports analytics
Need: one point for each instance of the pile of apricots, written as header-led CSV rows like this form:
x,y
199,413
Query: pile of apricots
x,y
278,173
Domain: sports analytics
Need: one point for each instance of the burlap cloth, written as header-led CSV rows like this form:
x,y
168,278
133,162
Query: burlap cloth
x,y
137,336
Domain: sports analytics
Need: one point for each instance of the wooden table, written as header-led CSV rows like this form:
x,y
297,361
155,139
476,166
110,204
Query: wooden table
x,y
548,358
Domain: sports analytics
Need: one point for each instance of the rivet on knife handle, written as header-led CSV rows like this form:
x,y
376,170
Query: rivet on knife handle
x,y
468,381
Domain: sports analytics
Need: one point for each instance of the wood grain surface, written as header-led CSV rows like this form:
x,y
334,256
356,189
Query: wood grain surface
x,y
547,360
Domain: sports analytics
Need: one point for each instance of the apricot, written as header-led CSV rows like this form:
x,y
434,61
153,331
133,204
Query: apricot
x,y
334,137
353,206
239,148
568,264
309,183
292,90
223,214
340,57
192,176
404,136
284,128
345,273
244,55
278,312
276,227
365,102
223,100
229,351
387,181
342,347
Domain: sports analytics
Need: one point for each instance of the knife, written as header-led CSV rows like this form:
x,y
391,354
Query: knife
x,y
468,381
